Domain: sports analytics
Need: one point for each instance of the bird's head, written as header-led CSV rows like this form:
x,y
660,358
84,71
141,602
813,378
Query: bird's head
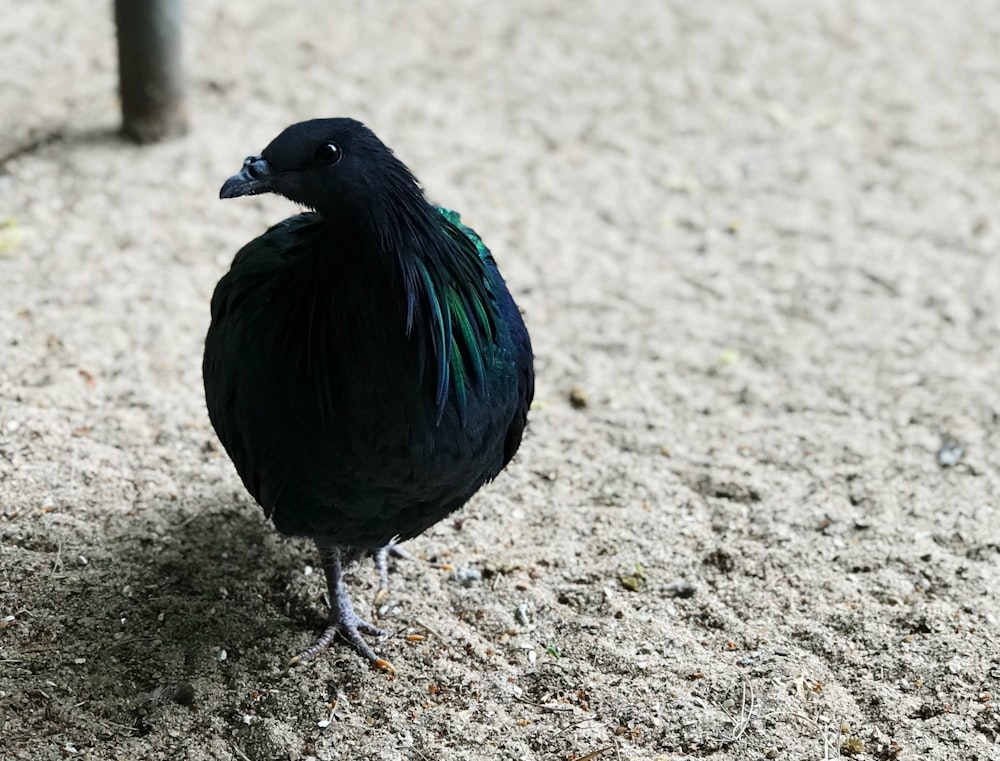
x,y
330,165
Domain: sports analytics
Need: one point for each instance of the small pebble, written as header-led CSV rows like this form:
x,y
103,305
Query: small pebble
x,y
323,724
467,577
222,655
950,453
521,614
680,588
184,694
578,398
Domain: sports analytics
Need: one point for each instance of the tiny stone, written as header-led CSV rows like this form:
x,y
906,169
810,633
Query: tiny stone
x,y
521,614
247,719
323,724
82,560
680,588
780,651
79,661
467,577
222,655
578,398
950,453
184,694
307,571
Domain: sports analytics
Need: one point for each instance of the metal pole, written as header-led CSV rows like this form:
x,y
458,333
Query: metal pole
x,y
149,69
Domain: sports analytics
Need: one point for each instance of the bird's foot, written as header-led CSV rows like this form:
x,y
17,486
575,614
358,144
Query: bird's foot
x,y
350,630
381,557
343,620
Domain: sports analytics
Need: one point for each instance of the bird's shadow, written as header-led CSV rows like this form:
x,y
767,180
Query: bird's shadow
x,y
178,600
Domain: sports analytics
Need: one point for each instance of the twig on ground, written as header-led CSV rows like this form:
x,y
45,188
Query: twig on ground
x,y
748,703
595,753
550,709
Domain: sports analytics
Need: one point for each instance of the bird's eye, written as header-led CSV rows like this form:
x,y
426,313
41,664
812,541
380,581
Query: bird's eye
x,y
328,153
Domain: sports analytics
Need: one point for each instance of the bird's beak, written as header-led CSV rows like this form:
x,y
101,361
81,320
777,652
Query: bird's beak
x,y
252,179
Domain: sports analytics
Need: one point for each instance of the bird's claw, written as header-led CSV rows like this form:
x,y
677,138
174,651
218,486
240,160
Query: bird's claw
x,y
385,667
350,631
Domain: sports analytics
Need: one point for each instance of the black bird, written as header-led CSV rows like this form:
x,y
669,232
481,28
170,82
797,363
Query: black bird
x,y
366,368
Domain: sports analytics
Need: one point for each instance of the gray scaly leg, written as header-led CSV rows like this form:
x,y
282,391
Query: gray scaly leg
x,y
343,620
381,557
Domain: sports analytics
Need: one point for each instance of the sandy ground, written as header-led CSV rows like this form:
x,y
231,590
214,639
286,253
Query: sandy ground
x,y
755,515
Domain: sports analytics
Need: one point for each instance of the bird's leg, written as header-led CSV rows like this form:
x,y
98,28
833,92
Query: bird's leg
x,y
343,620
381,557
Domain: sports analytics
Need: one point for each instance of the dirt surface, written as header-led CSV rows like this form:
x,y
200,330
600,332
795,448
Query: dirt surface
x,y
755,515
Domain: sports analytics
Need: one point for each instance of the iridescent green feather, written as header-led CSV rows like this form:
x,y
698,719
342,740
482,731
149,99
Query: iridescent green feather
x,y
455,290
456,219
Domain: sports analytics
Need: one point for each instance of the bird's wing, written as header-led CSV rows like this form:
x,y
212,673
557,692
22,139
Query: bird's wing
x,y
517,334
237,341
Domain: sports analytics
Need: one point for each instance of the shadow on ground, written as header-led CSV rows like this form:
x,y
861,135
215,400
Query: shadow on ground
x,y
176,601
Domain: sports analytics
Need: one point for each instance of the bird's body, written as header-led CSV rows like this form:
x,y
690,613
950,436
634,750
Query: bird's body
x,y
366,368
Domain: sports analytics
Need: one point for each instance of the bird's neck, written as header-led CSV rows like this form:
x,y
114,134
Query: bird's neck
x,y
437,279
